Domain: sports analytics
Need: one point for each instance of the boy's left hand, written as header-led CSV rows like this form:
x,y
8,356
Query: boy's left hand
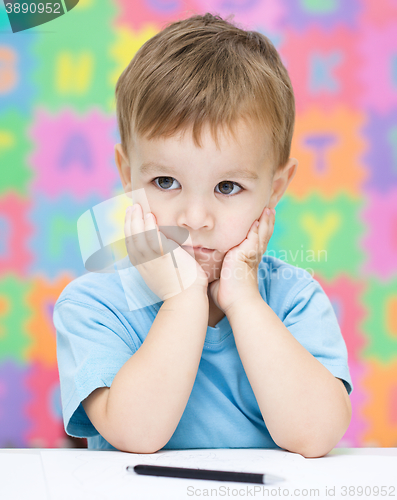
x,y
238,278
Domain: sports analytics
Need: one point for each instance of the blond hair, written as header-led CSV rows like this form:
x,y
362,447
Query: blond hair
x,y
206,70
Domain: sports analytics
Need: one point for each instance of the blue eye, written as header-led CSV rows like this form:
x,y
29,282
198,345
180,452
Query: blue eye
x,y
169,181
230,185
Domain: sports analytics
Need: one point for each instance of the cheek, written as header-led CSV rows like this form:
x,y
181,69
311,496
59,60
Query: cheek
x,y
233,234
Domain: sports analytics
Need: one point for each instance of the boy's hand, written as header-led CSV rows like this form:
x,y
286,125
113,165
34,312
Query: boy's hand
x,y
149,251
238,277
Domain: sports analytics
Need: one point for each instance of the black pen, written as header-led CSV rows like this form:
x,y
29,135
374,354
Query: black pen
x,y
208,474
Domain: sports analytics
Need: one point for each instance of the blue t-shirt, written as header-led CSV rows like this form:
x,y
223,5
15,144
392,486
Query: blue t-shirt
x,y
98,330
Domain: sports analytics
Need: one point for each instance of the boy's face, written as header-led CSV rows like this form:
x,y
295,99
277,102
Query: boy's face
x,y
197,191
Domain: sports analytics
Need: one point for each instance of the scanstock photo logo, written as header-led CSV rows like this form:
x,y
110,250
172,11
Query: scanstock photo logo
x,y
26,15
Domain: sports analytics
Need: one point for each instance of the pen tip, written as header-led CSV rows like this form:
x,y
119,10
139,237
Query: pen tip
x,y
270,479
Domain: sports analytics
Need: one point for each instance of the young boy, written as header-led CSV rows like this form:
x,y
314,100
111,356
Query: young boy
x,y
250,355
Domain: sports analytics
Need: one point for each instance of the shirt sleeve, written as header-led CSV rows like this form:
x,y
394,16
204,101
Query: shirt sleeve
x,y
311,319
92,346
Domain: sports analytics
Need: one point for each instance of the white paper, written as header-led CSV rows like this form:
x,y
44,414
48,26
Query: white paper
x,y
22,476
97,475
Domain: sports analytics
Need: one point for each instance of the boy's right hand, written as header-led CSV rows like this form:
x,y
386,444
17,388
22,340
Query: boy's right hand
x,y
154,262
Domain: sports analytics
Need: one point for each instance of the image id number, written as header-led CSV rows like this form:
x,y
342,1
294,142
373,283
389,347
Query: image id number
x,y
32,8
368,491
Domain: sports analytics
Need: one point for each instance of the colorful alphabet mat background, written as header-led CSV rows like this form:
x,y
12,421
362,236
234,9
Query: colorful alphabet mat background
x,y
338,218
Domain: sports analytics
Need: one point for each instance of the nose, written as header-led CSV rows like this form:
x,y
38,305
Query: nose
x,y
196,216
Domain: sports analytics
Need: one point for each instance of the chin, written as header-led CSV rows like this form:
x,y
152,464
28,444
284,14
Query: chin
x,y
213,277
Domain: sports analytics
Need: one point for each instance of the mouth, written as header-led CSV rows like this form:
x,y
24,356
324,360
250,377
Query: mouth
x,y
198,249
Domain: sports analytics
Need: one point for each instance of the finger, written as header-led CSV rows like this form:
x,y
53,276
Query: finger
x,y
264,223
156,240
257,254
137,239
152,234
272,219
269,227
127,222
248,249
128,239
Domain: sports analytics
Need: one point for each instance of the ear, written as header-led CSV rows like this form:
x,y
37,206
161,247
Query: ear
x,y
123,166
281,181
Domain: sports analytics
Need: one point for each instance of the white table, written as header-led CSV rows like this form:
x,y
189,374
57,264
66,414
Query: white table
x,y
74,474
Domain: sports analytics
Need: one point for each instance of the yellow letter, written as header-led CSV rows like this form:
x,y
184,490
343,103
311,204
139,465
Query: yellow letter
x,y
74,72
